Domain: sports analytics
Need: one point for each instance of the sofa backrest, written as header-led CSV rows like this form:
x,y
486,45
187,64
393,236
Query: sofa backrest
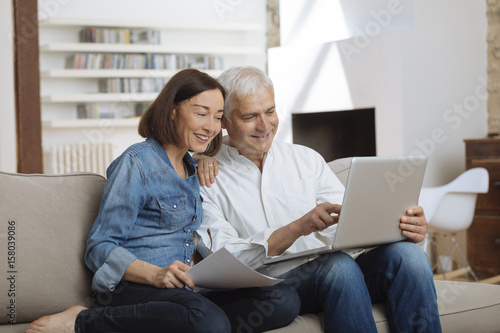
x,y
341,168
45,220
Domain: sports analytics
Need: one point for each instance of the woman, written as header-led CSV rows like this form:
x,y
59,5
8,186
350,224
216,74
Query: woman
x,y
141,243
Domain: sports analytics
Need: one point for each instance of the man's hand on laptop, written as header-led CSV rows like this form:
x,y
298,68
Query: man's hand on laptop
x,y
319,218
414,225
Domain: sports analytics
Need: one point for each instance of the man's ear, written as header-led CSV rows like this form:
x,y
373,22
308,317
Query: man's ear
x,y
223,123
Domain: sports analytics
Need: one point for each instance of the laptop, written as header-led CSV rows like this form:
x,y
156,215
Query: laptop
x,y
378,192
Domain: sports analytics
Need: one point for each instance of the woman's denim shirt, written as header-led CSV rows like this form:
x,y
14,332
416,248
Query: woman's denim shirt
x,y
147,212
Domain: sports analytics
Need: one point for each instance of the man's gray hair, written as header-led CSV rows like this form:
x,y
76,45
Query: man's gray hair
x,y
240,82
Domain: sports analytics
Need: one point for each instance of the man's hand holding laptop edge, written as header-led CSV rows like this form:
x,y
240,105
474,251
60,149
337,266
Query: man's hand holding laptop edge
x,y
414,225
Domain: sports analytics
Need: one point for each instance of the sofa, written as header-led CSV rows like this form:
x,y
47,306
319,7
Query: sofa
x,y
45,220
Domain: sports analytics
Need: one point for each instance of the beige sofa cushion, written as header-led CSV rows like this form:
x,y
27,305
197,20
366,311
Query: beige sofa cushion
x,y
48,219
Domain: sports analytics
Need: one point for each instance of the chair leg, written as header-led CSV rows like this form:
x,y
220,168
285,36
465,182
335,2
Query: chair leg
x,y
458,257
463,257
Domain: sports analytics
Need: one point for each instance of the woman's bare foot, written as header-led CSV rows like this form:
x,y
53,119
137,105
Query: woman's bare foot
x,y
62,322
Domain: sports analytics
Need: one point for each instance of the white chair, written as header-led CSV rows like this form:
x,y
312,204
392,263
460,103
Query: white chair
x,y
449,209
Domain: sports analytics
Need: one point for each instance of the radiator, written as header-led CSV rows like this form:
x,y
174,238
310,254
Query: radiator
x,y
76,157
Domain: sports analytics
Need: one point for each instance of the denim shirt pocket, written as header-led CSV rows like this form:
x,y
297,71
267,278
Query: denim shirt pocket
x,y
173,212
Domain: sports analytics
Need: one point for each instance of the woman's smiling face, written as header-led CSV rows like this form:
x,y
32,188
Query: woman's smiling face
x,y
198,119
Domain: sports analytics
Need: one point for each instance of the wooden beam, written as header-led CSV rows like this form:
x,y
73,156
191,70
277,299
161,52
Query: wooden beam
x,y
27,86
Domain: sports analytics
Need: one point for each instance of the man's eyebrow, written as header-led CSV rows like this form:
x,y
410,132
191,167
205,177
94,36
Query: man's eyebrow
x,y
249,113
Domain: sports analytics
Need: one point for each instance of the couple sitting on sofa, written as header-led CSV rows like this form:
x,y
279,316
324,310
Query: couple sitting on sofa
x,y
142,262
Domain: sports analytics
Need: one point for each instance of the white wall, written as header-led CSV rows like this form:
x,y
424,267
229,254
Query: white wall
x,y
411,60
8,155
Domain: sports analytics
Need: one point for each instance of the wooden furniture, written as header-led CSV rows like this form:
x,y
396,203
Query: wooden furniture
x,y
483,236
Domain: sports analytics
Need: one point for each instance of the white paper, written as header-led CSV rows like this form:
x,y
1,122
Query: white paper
x,y
222,270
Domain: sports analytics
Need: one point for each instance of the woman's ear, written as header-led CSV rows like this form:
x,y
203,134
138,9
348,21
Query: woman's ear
x,y
174,112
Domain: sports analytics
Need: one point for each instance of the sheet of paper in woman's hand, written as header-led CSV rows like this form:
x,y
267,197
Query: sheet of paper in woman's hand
x,y
222,270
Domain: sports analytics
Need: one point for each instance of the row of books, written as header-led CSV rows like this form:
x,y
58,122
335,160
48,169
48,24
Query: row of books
x,y
99,111
119,36
142,61
131,85
90,111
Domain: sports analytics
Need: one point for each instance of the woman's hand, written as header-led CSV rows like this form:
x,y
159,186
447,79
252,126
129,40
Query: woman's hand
x,y
208,169
173,276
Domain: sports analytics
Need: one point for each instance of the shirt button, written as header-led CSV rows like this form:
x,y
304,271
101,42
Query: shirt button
x,y
194,218
188,260
187,244
175,206
189,230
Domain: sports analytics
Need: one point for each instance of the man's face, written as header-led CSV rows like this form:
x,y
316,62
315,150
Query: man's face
x,y
253,125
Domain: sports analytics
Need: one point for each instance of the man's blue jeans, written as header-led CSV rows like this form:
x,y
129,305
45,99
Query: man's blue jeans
x,y
140,308
344,289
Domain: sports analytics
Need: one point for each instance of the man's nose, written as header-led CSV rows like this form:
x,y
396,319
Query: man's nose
x,y
263,123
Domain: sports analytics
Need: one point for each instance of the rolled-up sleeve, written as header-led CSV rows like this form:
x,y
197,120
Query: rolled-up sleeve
x,y
107,277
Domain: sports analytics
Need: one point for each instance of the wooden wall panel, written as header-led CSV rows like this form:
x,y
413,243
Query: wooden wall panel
x,y
27,86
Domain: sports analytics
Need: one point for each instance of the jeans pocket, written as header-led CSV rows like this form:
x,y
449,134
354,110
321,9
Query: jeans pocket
x,y
173,212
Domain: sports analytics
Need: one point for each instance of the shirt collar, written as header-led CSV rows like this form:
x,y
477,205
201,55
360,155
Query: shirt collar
x,y
233,153
160,150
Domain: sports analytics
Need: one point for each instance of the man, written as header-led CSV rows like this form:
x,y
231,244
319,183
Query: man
x,y
272,198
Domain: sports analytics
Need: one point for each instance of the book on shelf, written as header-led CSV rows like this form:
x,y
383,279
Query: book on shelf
x,y
131,85
87,111
147,36
119,36
101,111
142,61
140,108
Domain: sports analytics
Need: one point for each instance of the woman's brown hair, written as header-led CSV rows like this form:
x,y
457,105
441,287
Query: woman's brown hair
x,y
156,122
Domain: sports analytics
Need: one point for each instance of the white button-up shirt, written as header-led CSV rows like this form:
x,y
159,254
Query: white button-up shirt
x,y
244,206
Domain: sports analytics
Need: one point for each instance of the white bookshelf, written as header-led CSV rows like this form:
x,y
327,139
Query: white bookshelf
x,y
64,88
